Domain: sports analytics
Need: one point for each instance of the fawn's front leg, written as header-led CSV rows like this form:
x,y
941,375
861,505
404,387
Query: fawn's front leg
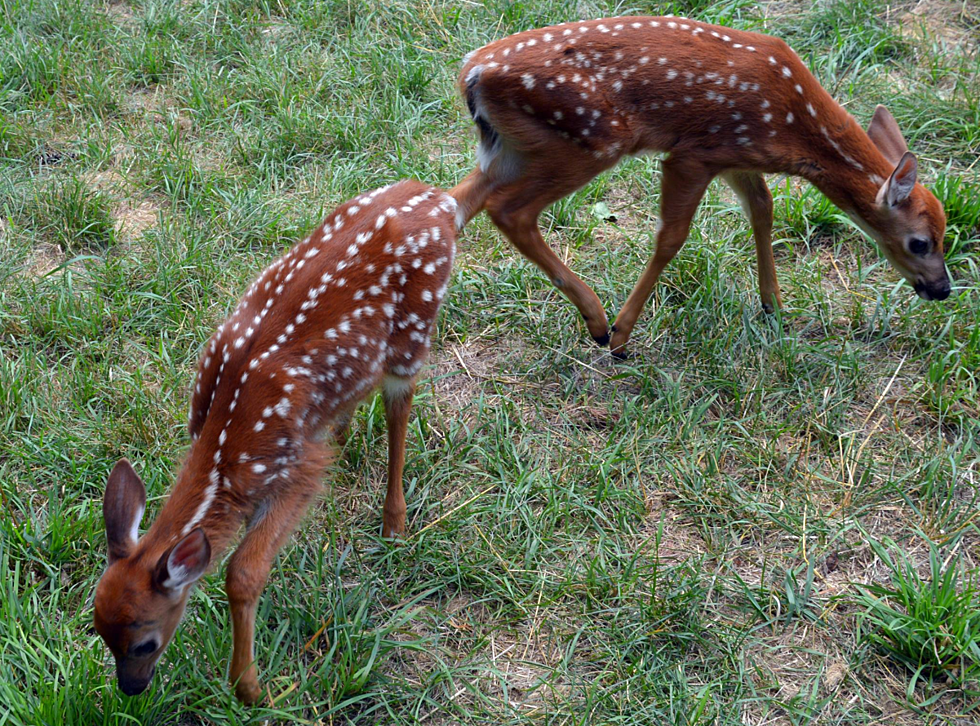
x,y
248,571
756,201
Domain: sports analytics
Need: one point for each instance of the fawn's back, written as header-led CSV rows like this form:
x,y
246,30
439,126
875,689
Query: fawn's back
x,y
322,326
338,311
625,85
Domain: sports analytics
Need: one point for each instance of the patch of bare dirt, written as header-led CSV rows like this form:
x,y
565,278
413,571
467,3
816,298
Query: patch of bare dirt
x,y
785,666
514,666
108,181
465,371
133,217
792,666
45,258
678,540
522,665
937,20
121,13
156,106
461,369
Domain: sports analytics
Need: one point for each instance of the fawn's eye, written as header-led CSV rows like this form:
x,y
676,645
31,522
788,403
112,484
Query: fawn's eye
x,y
143,649
918,246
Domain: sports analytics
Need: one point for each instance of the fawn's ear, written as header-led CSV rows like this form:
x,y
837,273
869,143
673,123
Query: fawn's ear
x,y
184,563
899,185
122,509
885,134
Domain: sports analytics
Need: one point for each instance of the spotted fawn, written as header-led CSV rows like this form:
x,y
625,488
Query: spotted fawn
x,y
557,106
349,309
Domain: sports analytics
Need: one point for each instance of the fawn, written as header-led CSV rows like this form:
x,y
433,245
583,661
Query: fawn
x,y
557,106
350,308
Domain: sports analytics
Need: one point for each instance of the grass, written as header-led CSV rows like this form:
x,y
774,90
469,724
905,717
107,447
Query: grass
x,y
684,538
932,623
71,216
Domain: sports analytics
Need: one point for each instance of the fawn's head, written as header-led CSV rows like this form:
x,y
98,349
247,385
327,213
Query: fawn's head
x,y
908,221
142,594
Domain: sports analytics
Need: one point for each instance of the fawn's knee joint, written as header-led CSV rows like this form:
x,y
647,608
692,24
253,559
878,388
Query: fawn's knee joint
x,y
394,510
509,220
500,218
241,586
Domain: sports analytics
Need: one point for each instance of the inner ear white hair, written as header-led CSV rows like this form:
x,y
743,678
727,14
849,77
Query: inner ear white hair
x,y
899,185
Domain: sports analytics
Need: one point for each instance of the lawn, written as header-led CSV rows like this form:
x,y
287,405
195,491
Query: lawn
x,y
754,520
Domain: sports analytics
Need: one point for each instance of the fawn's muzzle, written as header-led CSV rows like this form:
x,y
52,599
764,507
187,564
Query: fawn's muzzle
x,y
938,290
133,685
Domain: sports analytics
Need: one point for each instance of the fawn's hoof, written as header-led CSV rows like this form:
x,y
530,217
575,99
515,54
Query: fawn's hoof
x,y
394,529
394,538
248,692
601,339
617,345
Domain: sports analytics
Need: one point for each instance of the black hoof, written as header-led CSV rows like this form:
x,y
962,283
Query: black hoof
x,y
621,354
602,340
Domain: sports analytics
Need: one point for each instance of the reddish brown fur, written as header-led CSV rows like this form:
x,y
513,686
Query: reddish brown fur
x,y
348,309
558,105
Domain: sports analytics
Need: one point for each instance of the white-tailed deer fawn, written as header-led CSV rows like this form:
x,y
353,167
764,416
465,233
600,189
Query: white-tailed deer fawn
x,y
349,309
557,106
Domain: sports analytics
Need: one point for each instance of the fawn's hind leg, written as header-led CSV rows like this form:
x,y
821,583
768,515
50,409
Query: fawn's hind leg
x,y
341,429
683,185
514,208
397,394
471,196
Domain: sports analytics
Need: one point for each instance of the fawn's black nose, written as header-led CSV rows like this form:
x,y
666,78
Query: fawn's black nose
x,y
938,290
133,685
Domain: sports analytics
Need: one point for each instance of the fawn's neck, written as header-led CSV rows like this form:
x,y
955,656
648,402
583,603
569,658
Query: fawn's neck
x,y
203,496
836,155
